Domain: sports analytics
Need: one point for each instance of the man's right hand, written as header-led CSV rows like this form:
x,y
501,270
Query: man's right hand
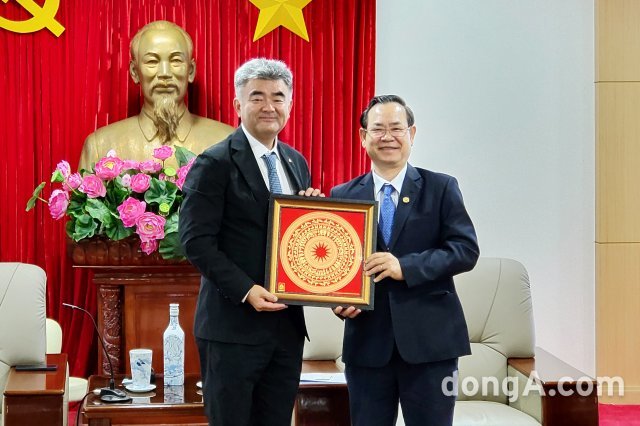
x,y
350,312
262,300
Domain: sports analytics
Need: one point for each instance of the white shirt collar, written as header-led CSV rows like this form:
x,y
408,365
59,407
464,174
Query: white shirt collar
x,y
396,182
258,147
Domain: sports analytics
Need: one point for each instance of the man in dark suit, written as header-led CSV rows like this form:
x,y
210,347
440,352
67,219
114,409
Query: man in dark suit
x,y
250,346
405,348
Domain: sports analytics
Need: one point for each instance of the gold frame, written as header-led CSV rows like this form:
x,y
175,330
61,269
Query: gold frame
x,y
278,203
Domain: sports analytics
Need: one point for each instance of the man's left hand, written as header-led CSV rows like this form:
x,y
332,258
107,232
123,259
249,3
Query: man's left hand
x,y
311,192
384,265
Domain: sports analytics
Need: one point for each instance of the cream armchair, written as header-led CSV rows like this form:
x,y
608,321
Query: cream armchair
x,y
36,396
77,385
521,382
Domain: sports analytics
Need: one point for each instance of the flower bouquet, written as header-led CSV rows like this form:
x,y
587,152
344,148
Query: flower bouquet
x,y
119,198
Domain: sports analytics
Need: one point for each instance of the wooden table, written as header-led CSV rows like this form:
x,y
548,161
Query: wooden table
x,y
322,403
316,403
184,406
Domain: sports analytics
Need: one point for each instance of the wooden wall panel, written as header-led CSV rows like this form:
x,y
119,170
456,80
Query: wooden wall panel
x,y
618,296
617,40
618,162
618,194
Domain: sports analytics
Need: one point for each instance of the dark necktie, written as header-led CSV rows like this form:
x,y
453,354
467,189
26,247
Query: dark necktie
x,y
387,212
274,182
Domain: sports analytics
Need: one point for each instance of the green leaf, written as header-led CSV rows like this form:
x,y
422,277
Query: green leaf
x,y
85,227
116,193
118,231
161,191
171,225
70,226
36,194
170,247
183,155
98,210
57,177
76,206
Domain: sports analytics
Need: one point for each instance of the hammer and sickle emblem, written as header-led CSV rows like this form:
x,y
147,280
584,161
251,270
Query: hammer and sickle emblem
x,y
41,17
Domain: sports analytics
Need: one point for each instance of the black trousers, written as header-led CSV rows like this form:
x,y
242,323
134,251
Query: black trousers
x,y
374,393
252,385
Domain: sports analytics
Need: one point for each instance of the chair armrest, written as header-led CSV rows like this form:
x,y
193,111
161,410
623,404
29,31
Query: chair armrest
x,y
569,397
36,395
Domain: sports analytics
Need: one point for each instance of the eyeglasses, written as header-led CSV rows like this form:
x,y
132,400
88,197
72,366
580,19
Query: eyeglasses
x,y
396,132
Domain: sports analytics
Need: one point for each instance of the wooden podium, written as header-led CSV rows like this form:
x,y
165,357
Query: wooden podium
x,y
134,291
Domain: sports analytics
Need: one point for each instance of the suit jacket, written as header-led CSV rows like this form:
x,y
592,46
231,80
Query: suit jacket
x,y
223,230
434,239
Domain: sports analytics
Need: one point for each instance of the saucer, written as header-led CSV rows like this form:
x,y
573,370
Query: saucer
x,y
135,389
199,384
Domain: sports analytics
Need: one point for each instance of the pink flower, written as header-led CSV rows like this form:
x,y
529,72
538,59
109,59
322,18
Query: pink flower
x,y
130,165
74,180
149,247
150,226
140,182
58,203
93,186
163,152
150,166
130,210
108,168
111,153
183,171
64,168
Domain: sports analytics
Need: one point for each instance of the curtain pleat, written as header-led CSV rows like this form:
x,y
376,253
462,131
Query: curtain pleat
x,y
56,91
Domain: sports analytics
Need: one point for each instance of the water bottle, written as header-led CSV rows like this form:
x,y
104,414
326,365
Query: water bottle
x,y
173,348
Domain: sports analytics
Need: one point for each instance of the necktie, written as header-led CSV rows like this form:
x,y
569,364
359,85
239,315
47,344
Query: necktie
x,y
274,182
387,211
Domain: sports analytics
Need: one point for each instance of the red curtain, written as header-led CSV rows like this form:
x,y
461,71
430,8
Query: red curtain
x,y
55,91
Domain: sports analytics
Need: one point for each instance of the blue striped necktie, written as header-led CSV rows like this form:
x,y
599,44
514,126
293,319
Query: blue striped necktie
x,y
387,212
274,182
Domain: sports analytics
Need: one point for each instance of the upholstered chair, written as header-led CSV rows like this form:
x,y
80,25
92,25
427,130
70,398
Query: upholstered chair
x,y
77,385
23,341
325,336
520,381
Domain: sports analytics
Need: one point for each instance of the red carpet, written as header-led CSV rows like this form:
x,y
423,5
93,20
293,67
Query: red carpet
x,y
610,415
619,415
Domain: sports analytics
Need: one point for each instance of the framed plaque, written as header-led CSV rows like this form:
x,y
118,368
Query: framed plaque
x,y
316,251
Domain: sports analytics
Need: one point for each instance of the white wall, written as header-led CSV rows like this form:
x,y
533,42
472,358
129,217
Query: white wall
x,y
503,94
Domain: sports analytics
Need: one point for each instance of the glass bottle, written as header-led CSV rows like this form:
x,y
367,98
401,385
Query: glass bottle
x,y
173,349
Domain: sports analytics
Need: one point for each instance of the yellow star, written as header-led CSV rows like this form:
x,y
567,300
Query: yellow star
x,y
274,13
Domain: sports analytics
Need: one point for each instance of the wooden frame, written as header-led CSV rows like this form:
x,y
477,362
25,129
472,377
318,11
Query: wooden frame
x,y
316,251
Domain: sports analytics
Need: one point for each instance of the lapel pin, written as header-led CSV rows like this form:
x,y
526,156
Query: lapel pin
x,y
290,160
405,200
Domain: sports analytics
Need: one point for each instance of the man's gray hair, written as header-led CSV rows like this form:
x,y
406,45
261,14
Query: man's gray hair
x,y
263,69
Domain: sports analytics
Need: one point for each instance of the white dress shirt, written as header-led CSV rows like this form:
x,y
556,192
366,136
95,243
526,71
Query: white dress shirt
x,y
396,182
258,151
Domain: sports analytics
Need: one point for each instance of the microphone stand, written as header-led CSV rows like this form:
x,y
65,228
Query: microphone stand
x,y
109,394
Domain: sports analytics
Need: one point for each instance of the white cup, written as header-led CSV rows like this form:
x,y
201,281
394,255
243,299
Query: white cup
x,y
140,368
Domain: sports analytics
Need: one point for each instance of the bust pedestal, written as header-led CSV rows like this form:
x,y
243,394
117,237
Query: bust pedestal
x,y
134,291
